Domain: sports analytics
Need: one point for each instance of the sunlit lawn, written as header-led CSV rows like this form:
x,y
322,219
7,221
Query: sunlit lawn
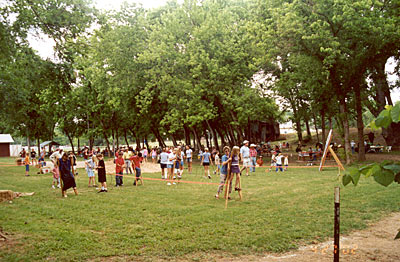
x,y
279,212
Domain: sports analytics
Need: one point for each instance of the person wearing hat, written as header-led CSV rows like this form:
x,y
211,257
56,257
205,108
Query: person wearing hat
x,y
253,158
245,156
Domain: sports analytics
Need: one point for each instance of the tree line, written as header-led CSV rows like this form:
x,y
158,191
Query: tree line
x,y
189,70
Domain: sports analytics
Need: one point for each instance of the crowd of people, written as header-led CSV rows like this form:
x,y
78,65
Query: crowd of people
x,y
172,161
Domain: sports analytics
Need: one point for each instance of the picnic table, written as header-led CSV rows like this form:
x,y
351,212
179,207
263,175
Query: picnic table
x,y
375,149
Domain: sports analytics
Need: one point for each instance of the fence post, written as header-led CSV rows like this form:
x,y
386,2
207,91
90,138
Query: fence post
x,y
336,250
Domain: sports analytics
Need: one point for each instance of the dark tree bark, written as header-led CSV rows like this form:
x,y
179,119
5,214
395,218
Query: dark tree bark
x,y
70,141
360,124
126,138
107,141
323,126
197,138
222,136
298,129
316,127
186,131
346,131
117,137
159,138
38,146
174,140
214,134
146,141
306,121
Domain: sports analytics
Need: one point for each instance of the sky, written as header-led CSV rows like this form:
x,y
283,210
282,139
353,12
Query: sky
x,y
44,45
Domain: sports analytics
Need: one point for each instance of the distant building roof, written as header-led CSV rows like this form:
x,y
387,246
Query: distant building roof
x,y
51,143
6,138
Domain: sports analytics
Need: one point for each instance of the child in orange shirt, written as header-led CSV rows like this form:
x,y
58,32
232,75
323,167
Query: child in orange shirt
x,y
26,163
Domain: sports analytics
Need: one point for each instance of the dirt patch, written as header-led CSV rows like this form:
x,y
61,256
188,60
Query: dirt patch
x,y
146,167
373,244
379,157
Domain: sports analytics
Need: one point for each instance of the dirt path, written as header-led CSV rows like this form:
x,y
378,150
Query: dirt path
x,y
375,243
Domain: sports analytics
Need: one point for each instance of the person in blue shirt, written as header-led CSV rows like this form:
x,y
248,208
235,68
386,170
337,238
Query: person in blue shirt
x,y
205,162
224,172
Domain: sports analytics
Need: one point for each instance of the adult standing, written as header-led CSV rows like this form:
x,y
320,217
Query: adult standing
x,y
127,160
353,146
245,156
253,158
33,157
164,163
67,177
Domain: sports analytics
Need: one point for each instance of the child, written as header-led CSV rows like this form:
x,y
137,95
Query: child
x,y
273,160
224,172
235,170
278,160
33,157
217,162
181,166
56,177
101,173
90,170
286,162
170,166
26,163
136,160
205,162
260,161
119,169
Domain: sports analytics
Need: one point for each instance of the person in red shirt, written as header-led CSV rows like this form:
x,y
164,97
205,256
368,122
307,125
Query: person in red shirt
x,y
119,170
136,160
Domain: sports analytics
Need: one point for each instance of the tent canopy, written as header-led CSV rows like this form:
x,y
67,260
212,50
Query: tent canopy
x,y
49,143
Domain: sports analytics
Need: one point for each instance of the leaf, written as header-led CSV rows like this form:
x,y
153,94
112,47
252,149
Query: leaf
x,y
373,170
366,168
394,168
384,119
395,113
397,236
346,179
384,178
355,175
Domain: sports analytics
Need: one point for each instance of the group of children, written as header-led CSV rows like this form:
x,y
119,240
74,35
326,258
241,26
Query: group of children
x,y
133,161
278,160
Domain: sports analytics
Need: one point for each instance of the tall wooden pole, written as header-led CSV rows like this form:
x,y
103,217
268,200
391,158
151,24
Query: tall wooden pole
x,y
336,241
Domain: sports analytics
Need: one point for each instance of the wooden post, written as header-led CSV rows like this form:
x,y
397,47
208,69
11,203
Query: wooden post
x,y
336,242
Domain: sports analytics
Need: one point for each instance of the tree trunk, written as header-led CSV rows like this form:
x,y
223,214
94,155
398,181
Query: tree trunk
x,y
79,145
107,142
360,124
117,137
160,140
186,131
214,134
344,115
308,128
70,141
146,141
232,135
222,136
126,138
174,140
38,146
298,129
316,127
197,138
323,126
208,143
330,123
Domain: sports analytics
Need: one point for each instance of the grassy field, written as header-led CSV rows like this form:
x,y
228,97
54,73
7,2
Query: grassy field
x,y
279,211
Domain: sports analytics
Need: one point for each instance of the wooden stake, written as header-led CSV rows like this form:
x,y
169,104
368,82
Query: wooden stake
x,y
240,188
336,241
335,157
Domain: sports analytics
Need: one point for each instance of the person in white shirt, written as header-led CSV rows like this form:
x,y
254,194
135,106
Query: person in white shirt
x,y
170,165
278,160
164,163
245,156
189,158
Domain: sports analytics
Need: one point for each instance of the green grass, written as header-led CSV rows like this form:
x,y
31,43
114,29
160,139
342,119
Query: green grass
x,y
279,212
